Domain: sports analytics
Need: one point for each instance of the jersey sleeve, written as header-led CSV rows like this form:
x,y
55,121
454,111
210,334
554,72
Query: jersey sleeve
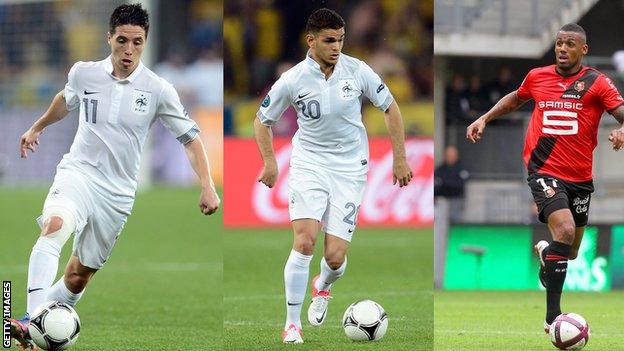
x,y
374,88
610,97
275,103
70,92
524,91
174,117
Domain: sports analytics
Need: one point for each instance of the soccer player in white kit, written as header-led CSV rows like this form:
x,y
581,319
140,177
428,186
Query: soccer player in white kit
x,y
95,183
329,158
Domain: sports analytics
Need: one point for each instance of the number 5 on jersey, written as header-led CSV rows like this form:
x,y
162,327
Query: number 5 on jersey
x,y
93,114
554,119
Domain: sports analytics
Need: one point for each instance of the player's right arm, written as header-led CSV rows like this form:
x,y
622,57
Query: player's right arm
x,y
65,101
505,105
271,109
56,112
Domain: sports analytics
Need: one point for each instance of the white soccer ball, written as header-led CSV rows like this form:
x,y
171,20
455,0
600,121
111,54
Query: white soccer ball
x,y
54,326
569,331
365,320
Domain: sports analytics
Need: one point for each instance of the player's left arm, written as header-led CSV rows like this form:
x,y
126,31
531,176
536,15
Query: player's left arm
x,y
394,123
209,199
377,92
613,102
616,137
175,118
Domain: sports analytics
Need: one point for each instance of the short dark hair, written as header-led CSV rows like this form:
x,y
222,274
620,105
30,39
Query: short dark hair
x,y
324,19
575,28
132,14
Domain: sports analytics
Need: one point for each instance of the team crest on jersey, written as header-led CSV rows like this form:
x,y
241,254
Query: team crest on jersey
x,y
579,86
348,89
140,101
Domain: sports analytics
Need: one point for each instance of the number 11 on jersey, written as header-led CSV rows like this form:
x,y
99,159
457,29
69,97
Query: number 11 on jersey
x,y
94,104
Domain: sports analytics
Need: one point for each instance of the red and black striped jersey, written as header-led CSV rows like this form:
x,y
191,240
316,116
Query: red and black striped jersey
x,y
563,130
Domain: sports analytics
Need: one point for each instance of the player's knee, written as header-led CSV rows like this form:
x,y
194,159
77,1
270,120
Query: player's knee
x,y
564,232
335,259
59,224
75,281
305,244
52,225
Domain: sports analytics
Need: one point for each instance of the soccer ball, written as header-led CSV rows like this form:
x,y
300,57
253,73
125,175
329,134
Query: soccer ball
x,y
569,331
365,320
54,326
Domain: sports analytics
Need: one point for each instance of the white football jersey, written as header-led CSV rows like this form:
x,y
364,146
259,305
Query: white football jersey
x,y
329,112
115,117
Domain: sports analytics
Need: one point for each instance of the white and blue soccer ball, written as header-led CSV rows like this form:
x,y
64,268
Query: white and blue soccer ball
x,y
54,326
365,320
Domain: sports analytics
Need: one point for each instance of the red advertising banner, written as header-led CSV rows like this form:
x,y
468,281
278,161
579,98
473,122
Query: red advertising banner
x,y
248,203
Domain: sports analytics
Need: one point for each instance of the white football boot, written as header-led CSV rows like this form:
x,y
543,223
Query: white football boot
x,y
317,311
539,249
292,335
546,328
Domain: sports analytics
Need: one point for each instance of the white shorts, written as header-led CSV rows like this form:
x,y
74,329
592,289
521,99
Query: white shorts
x,y
329,197
100,216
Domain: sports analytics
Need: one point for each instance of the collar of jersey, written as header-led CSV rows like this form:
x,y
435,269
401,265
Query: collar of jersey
x,y
572,75
108,67
316,67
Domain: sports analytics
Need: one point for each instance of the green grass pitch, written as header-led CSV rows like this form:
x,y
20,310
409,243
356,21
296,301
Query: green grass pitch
x,y
510,321
390,266
160,290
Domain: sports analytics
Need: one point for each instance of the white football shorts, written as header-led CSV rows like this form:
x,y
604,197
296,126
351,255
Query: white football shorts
x,y
100,216
329,197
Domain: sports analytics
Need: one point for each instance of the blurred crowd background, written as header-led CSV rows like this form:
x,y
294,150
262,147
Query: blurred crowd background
x,y
264,38
42,39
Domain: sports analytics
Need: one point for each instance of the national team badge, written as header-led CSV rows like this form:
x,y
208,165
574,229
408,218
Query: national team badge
x,y
348,89
549,192
579,86
140,101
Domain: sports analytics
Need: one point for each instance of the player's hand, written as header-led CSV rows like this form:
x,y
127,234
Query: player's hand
x,y
401,173
209,200
29,141
616,137
475,130
269,173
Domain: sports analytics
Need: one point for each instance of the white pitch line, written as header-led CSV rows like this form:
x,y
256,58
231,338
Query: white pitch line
x,y
371,295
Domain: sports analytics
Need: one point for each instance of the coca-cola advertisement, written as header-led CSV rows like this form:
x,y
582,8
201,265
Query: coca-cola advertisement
x,y
252,204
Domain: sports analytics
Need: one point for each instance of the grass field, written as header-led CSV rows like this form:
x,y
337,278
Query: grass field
x,y
513,320
392,267
161,289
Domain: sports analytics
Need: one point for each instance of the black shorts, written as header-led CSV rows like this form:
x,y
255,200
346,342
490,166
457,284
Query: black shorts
x,y
552,194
